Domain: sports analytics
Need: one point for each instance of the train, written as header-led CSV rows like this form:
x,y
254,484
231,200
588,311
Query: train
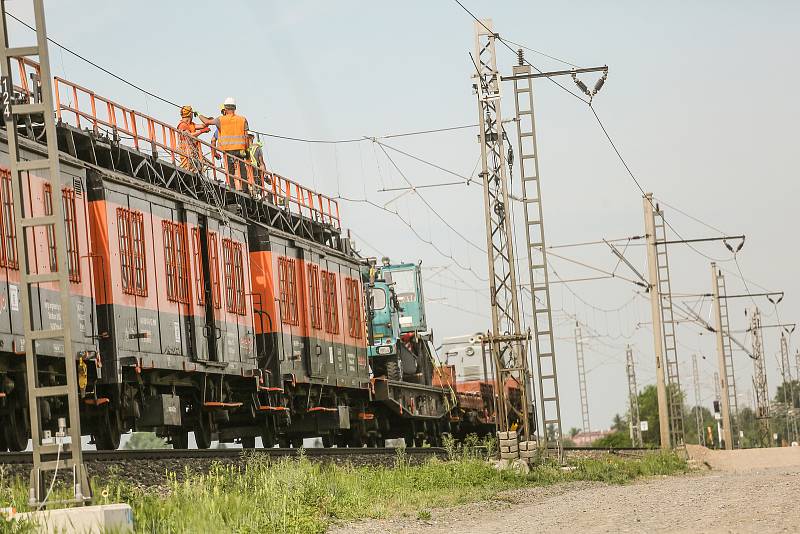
x,y
233,312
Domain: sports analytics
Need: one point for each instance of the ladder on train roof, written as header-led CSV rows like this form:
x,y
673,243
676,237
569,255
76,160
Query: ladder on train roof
x,y
61,452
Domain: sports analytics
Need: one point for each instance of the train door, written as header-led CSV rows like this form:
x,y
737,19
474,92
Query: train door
x,y
203,314
210,250
232,248
316,353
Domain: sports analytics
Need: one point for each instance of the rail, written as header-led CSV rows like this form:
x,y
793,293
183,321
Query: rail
x,y
83,108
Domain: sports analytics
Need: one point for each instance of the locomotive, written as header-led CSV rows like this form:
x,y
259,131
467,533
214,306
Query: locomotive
x,y
233,312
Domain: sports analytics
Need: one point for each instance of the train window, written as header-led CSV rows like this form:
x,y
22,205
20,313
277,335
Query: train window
x,y
234,276
133,262
51,229
313,297
352,289
287,288
175,259
330,302
71,228
405,285
378,298
199,280
8,230
213,261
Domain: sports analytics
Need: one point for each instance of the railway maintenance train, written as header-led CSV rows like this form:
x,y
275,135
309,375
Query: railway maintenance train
x,y
230,311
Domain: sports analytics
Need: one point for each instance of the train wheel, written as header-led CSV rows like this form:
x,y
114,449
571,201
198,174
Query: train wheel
x,y
267,439
327,440
202,431
3,446
16,431
180,439
393,371
283,441
109,431
249,442
296,441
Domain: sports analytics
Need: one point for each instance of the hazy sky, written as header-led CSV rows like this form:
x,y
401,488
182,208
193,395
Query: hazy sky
x,y
701,98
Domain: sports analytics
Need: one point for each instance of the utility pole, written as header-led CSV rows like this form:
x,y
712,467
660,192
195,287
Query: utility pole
x,y
63,451
701,440
760,380
507,342
670,406
788,388
582,378
717,398
729,400
499,227
633,398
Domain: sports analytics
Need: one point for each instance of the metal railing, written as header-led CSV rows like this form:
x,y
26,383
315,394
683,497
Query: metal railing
x,y
83,108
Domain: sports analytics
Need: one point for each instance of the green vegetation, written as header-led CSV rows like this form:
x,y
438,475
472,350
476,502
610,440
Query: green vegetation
x,y
145,440
297,495
784,420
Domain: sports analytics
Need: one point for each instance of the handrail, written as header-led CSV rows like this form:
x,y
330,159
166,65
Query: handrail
x,y
166,142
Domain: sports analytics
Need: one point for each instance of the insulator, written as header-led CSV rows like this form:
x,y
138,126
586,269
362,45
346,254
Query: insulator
x,y
582,86
510,157
599,84
520,57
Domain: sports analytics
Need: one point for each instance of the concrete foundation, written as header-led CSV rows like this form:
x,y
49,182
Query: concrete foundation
x,y
117,518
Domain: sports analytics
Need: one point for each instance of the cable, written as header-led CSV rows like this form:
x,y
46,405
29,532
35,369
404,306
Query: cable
x,y
428,204
540,53
504,43
416,233
92,63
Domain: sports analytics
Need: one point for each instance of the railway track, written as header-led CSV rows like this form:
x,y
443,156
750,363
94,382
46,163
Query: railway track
x,y
335,453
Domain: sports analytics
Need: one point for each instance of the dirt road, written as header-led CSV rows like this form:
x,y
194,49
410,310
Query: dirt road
x,y
747,493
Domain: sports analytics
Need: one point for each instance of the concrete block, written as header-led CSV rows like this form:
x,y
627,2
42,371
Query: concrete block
x,y
116,518
512,434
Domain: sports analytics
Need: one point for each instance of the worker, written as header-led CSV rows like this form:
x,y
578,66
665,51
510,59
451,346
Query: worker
x,y
188,145
232,142
255,158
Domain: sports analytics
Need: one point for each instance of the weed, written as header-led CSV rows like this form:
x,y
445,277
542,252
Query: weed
x,y
301,496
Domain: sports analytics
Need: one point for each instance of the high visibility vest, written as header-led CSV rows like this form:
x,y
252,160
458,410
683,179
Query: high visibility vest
x,y
231,133
251,152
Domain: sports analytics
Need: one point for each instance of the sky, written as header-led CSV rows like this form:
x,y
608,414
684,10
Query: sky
x,y
700,101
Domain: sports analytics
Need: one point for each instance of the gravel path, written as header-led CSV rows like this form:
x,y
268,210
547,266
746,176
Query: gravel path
x,y
737,499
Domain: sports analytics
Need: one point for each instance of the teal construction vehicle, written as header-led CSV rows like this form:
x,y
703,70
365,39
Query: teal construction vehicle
x,y
400,345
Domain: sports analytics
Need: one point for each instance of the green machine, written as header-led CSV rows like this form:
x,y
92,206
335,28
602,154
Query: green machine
x,y
400,346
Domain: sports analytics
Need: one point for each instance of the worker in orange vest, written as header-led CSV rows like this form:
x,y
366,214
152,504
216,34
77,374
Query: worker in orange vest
x,y
188,146
232,141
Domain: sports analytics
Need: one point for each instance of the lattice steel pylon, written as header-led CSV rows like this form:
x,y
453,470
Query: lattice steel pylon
x,y
507,342
728,397
582,378
633,398
670,402
701,439
528,156
66,446
760,387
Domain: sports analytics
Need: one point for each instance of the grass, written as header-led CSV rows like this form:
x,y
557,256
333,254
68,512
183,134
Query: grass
x,y
300,496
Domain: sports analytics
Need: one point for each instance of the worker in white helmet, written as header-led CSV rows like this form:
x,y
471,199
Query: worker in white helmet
x,y
232,141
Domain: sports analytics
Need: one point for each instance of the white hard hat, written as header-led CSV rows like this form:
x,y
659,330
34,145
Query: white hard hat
x,y
230,102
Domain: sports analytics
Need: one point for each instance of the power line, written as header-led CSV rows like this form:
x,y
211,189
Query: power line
x,y
415,232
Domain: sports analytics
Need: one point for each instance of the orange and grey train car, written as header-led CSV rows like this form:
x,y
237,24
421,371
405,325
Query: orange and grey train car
x,y
38,199
175,311
310,329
